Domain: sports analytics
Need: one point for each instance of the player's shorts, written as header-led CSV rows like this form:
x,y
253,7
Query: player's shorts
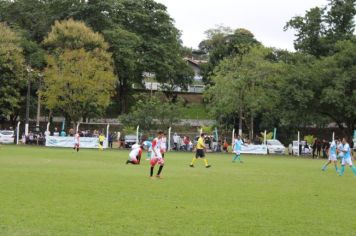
x,y
157,160
200,153
101,143
332,157
133,158
346,161
237,152
76,144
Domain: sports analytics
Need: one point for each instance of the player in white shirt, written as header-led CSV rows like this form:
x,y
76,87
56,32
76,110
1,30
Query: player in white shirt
x,y
346,159
157,155
163,145
76,141
135,155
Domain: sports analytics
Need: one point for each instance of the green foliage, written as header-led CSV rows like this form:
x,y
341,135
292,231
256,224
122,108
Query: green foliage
x,y
79,78
222,42
321,28
11,71
269,135
129,130
153,112
309,139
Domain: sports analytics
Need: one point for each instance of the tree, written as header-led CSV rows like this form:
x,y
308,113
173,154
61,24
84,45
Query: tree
x,y
223,43
11,71
320,28
154,112
244,87
338,86
79,78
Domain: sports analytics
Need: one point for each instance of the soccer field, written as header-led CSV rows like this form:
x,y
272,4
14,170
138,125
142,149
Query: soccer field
x,y
61,192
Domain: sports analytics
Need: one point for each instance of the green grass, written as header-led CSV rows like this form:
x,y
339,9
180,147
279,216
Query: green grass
x,y
195,111
59,192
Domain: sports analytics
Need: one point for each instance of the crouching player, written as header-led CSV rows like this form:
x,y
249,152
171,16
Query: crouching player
x,y
135,155
157,156
332,156
346,159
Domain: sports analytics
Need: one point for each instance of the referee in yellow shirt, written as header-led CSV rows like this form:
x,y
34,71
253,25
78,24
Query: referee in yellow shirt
x,y
200,153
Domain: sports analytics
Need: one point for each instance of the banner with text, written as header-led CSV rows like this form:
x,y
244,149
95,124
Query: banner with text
x,y
254,149
85,142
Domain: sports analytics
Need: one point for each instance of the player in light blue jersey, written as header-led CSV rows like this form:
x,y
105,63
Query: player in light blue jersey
x,y
148,146
346,159
332,156
237,146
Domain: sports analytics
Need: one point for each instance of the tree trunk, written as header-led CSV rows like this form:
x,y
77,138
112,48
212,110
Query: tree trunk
x,y
240,121
251,127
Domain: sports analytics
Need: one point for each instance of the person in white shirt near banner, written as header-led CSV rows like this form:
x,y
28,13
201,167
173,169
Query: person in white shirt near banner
x,y
76,141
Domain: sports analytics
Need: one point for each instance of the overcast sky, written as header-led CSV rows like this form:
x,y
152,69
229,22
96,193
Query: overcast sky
x,y
264,18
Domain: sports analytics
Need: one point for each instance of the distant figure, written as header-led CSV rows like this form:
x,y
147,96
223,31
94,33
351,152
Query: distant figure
x,y
314,147
237,146
56,133
110,140
76,141
325,147
63,133
101,142
200,152
318,148
225,145
175,141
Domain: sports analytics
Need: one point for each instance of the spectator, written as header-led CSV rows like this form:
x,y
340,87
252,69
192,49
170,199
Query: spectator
x,y
175,141
314,147
63,133
110,140
56,133
318,148
225,145
325,147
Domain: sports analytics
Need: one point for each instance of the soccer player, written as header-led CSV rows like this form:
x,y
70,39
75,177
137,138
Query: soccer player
x,y
346,159
135,155
157,156
339,146
237,148
331,151
163,145
200,152
148,146
76,141
101,141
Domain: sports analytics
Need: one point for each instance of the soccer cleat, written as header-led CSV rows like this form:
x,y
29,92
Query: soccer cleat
x,y
191,165
208,166
158,177
323,169
241,162
127,162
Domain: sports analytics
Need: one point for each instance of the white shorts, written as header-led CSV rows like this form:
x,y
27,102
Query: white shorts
x,y
347,161
158,156
332,157
133,158
237,152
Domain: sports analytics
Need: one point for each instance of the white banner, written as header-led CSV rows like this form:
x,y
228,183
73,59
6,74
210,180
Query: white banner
x,y
85,142
254,149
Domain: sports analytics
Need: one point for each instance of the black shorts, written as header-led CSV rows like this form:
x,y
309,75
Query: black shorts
x,y
200,153
101,143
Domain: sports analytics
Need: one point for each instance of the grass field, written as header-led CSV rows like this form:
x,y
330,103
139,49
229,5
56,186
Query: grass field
x,y
60,192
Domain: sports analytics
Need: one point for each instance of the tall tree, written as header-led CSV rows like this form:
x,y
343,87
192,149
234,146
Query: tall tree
x,y
12,79
320,28
79,78
223,43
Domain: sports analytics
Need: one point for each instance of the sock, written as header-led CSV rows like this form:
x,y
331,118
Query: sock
x,y
206,162
342,170
193,160
239,157
151,171
336,168
353,169
324,166
235,157
159,170
77,149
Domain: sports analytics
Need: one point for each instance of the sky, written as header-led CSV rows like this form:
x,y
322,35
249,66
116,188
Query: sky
x,y
264,18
